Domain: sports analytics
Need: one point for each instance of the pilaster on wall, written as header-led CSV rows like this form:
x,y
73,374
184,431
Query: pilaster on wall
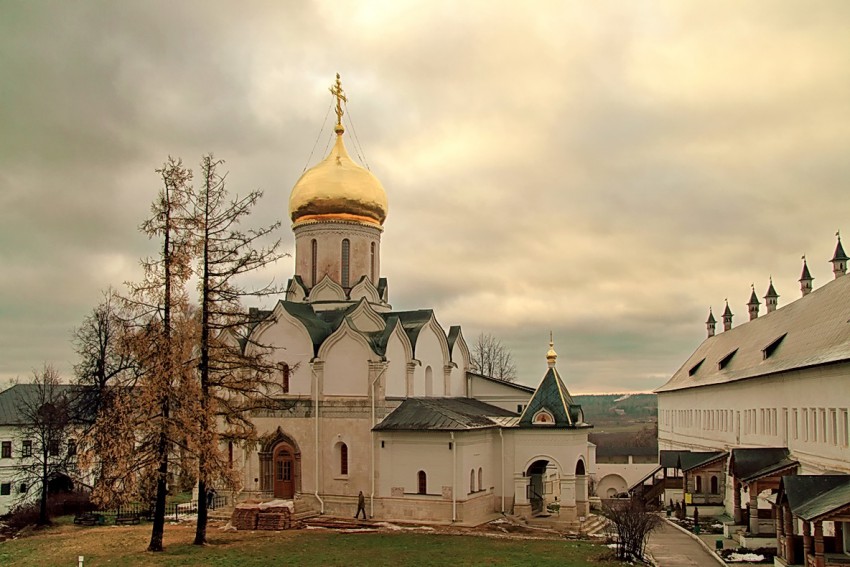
x,y
317,368
568,490
447,380
408,379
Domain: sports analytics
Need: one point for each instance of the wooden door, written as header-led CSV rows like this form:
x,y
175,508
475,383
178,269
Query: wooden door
x,y
284,471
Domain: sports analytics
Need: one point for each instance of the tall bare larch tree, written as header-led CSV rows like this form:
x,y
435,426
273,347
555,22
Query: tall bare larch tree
x,y
235,374
491,358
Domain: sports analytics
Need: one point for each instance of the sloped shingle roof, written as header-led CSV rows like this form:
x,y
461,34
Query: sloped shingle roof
x,y
442,414
815,328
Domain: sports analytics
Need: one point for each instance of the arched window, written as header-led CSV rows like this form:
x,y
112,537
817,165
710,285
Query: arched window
x,y
314,260
422,483
346,249
343,459
429,381
714,488
480,478
699,485
472,481
284,377
373,262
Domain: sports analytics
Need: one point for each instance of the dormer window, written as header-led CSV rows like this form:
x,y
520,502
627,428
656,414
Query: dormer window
x,y
543,417
695,367
771,348
724,362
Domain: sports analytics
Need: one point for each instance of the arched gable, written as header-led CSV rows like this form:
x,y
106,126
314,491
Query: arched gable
x,y
399,353
431,350
346,355
327,290
290,343
364,289
460,361
365,319
295,291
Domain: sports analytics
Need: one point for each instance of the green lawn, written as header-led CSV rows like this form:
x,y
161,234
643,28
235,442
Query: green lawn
x,y
111,545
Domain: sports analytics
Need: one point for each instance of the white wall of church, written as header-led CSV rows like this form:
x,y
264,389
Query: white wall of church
x,y
429,352
346,369
294,348
396,375
498,394
405,454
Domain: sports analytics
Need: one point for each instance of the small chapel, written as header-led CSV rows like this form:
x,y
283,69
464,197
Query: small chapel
x,y
383,402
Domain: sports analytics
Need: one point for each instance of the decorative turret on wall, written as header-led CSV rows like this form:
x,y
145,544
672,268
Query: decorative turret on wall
x,y
710,323
771,298
753,305
727,317
806,279
839,259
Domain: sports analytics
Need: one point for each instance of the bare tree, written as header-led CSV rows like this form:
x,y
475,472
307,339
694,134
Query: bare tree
x,y
235,374
46,414
491,358
631,522
163,342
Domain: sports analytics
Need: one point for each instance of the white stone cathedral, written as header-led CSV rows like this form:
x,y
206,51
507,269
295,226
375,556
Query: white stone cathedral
x,y
382,401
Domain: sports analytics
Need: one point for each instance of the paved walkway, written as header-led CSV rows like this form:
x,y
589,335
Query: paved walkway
x,y
672,548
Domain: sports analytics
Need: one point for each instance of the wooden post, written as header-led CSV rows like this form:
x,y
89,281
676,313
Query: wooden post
x,y
807,542
736,501
754,508
788,520
819,558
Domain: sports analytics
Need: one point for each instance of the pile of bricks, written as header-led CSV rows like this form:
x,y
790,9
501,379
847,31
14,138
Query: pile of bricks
x,y
245,518
253,518
274,519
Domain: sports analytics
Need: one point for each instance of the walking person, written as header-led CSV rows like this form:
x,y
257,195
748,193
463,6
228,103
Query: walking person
x,y
361,506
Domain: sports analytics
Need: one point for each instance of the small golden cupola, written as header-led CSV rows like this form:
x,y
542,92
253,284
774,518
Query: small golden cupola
x,y
337,188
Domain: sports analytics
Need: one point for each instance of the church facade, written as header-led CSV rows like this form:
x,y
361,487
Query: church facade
x,y
382,401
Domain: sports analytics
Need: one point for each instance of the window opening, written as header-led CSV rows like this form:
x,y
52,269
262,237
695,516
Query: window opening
x,y
343,459
771,348
314,256
695,367
422,482
346,248
724,362
284,377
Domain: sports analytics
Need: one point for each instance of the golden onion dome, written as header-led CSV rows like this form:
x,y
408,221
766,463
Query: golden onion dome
x,y
338,189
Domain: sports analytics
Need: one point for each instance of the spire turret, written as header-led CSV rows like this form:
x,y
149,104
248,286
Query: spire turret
x,y
771,298
753,304
839,259
806,279
710,323
727,317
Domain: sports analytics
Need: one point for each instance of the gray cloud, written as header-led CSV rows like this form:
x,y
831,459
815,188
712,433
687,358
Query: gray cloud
x,y
606,171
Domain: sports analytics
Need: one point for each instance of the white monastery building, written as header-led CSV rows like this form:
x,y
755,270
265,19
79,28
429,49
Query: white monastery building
x,y
764,400
382,401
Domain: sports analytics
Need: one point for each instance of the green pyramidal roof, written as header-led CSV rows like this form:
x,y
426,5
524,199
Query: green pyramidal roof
x,y
552,397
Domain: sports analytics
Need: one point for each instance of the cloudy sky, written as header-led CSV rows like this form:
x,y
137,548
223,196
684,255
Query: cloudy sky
x,y
606,170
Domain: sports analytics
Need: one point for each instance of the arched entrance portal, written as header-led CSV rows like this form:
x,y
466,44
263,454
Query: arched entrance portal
x,y
284,471
535,473
280,465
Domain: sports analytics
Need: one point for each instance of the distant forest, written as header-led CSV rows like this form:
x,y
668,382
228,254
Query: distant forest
x,y
600,408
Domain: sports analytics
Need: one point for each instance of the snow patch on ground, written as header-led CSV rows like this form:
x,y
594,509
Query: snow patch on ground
x,y
745,557
623,397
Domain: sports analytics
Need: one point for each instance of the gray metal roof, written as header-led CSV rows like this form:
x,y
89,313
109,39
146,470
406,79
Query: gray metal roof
x,y
814,496
442,414
817,332
752,463
690,461
14,400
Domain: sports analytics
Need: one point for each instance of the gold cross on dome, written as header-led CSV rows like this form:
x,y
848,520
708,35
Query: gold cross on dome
x,y
337,91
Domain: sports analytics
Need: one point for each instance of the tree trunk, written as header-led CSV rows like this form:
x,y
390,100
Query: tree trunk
x,y
43,518
201,526
158,529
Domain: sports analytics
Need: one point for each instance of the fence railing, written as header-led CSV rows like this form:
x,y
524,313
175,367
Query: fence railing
x,y
173,510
